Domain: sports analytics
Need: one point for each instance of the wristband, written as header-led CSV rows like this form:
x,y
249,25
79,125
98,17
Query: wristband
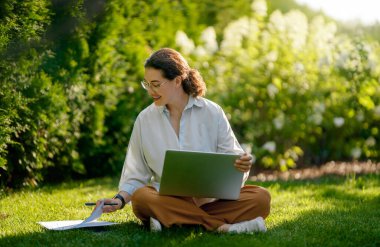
x,y
118,196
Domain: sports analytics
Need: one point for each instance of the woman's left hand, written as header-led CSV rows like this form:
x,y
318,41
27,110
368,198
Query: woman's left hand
x,y
244,163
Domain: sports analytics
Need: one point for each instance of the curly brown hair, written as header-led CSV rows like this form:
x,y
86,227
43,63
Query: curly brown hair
x,y
173,64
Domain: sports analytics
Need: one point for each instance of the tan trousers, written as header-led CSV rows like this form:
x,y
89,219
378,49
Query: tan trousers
x,y
254,201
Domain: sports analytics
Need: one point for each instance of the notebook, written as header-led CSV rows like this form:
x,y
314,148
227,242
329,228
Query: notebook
x,y
200,174
73,224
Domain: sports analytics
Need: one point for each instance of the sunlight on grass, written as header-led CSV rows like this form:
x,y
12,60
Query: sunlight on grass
x,y
329,211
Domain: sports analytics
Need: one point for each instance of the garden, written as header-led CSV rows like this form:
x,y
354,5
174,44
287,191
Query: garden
x,y
299,88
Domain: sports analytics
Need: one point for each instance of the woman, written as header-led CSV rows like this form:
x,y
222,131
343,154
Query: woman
x,y
181,119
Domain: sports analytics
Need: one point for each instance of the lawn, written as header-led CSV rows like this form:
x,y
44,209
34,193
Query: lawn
x,y
329,211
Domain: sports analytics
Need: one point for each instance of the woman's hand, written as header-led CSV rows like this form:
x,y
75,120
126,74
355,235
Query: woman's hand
x,y
110,209
244,163
107,208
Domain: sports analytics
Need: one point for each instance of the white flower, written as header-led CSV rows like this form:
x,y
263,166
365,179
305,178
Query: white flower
x,y
316,118
276,21
272,56
220,69
324,61
297,28
356,152
298,67
370,142
344,51
200,51
208,37
272,90
323,35
270,66
279,121
372,59
259,7
184,42
293,27
376,111
338,121
319,107
360,116
270,146
236,31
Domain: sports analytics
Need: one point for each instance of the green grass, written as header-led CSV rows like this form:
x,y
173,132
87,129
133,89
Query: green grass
x,y
330,211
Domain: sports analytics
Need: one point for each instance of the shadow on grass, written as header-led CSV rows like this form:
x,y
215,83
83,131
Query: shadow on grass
x,y
125,234
351,220
290,185
316,228
88,185
105,183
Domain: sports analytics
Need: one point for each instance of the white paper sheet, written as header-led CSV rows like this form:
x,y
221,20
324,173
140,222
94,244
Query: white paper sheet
x,y
72,224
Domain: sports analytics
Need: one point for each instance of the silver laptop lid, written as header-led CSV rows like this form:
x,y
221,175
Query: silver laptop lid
x,y
199,174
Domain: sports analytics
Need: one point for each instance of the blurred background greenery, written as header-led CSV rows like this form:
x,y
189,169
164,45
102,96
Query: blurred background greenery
x,y
299,88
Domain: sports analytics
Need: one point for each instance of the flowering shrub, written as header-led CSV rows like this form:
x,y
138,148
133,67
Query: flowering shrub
x,y
293,89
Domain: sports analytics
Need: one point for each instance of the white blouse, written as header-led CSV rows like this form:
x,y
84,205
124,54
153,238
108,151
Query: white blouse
x,y
203,127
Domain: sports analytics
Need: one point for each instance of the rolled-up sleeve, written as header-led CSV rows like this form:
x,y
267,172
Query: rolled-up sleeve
x,y
135,173
227,141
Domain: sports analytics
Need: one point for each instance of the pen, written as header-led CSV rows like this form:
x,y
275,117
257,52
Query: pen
x,y
105,204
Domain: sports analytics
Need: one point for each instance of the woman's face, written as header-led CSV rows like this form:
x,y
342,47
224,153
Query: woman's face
x,y
158,87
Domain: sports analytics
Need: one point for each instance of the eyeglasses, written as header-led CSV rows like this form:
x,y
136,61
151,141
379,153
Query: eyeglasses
x,y
148,85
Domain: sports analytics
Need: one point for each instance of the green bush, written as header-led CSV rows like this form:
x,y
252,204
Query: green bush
x,y
23,88
294,90
70,87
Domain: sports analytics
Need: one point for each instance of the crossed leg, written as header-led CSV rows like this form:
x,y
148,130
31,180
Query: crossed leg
x,y
254,201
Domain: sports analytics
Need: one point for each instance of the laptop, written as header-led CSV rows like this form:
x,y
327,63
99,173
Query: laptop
x,y
200,174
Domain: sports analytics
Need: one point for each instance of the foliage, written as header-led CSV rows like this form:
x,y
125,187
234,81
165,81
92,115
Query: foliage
x,y
316,212
293,87
26,93
70,72
70,82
